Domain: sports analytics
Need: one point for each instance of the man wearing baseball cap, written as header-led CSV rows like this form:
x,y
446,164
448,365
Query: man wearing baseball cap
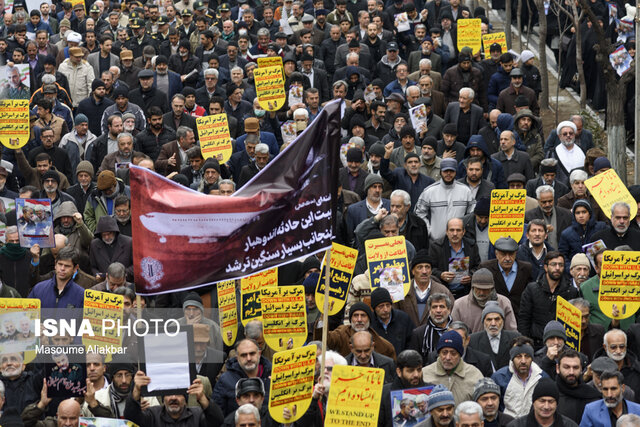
x,y
487,394
250,391
451,370
544,408
470,308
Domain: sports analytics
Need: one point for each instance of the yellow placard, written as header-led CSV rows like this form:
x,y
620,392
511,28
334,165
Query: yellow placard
x,y
571,318
228,311
14,123
469,34
250,306
500,38
284,316
620,283
343,261
388,265
215,138
292,383
18,318
105,311
269,83
607,189
506,216
270,61
354,396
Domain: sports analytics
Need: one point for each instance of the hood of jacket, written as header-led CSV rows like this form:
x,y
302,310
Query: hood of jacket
x,y
478,142
65,209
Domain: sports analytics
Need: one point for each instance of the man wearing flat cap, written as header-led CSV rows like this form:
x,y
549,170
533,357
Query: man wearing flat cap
x,y
470,308
511,276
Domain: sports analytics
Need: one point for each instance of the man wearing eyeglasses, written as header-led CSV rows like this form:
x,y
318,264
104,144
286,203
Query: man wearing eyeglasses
x,y
538,302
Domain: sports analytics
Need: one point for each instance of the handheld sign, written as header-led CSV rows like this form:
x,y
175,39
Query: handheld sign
x,y
506,217
343,261
571,318
250,294
607,189
469,34
270,61
269,84
35,222
284,316
14,123
500,38
104,310
354,396
619,284
228,311
292,383
388,265
215,138
18,317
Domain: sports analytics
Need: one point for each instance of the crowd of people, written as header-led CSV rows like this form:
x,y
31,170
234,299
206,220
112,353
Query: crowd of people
x,y
113,84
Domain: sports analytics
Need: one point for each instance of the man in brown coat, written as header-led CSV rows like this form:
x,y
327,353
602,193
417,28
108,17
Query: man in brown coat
x,y
423,285
360,317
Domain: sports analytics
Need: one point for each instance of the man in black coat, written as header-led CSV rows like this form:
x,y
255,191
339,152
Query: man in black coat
x,y
393,325
411,226
441,250
147,96
94,105
177,117
538,303
408,375
493,321
506,264
362,354
574,393
619,233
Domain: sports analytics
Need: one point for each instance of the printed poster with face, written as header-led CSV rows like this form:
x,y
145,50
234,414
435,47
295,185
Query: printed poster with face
x,y
14,82
35,222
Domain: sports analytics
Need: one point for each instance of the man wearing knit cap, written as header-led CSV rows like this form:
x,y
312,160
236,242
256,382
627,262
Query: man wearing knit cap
x,y
84,184
75,142
50,190
407,136
194,313
494,340
487,394
367,208
429,160
470,308
544,408
210,175
352,176
409,177
94,106
451,369
555,342
538,302
435,213
423,284
518,380
579,269
360,317
392,324
440,405
601,165
408,374
569,155
477,225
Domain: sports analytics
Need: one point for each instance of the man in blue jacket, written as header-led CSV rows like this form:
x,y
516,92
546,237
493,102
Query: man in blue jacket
x,y
61,291
603,413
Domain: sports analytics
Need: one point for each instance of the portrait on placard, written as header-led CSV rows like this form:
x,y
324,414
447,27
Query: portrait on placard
x,y
14,82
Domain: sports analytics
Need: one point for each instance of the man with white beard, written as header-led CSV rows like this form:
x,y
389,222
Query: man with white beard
x,y
569,155
612,406
21,387
318,408
615,345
